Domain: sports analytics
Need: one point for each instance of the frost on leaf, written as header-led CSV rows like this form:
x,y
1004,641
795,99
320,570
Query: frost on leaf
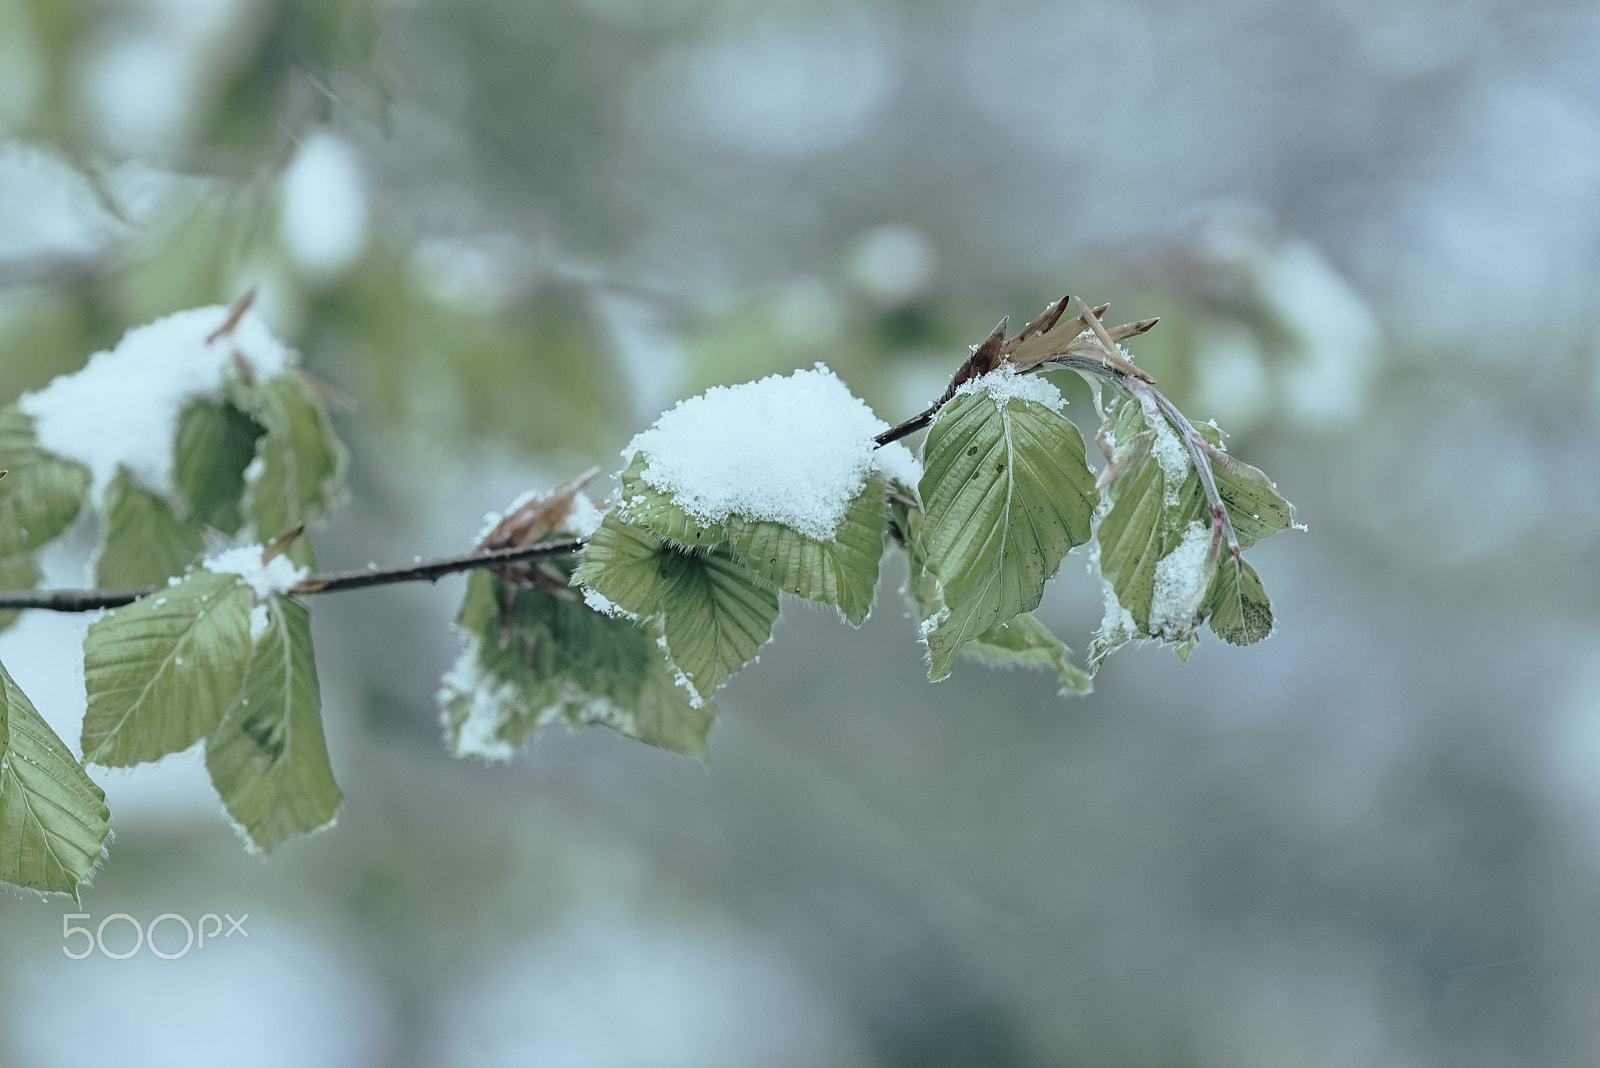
x,y
1166,565
53,818
1005,494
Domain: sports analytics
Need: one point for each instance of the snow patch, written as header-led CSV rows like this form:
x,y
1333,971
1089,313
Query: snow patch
x,y
1004,384
489,703
604,605
122,408
793,450
897,462
276,576
1180,583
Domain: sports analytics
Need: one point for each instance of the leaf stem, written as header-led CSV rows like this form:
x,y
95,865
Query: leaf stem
x,y
328,582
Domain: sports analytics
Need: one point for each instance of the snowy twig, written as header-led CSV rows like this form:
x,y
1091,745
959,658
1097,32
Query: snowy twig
x,y
329,582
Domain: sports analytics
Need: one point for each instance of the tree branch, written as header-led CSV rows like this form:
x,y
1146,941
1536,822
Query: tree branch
x,y
330,582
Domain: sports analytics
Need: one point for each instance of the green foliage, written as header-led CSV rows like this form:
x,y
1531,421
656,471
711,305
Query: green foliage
x,y
1238,606
17,572
532,658
160,672
214,445
53,819
714,614
142,540
298,473
1006,491
841,572
1023,641
268,759
1158,553
41,494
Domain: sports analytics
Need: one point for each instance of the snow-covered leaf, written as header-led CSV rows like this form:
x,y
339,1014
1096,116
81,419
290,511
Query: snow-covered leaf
x,y
53,818
655,510
268,759
714,613
1023,641
1155,537
1153,506
142,541
41,494
531,659
160,672
214,445
298,472
1006,493
842,571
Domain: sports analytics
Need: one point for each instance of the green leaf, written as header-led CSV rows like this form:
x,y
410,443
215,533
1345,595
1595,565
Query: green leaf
x,y
532,659
1149,512
214,445
53,818
714,614
1026,642
842,572
41,494
658,513
1006,491
1156,530
1255,508
1238,605
623,563
160,672
268,759
298,473
142,542
16,573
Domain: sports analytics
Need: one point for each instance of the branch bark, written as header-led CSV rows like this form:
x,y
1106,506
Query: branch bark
x,y
329,582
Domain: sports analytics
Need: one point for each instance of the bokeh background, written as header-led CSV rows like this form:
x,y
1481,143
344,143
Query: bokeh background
x,y
513,232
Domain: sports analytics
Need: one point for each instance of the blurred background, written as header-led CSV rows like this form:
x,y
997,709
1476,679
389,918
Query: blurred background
x,y
513,232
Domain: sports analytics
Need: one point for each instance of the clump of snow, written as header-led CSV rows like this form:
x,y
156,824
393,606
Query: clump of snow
x,y
1180,583
1004,384
898,463
793,450
584,518
277,575
1172,457
122,409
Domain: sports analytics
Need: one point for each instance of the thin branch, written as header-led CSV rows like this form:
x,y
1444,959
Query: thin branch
x,y
330,582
